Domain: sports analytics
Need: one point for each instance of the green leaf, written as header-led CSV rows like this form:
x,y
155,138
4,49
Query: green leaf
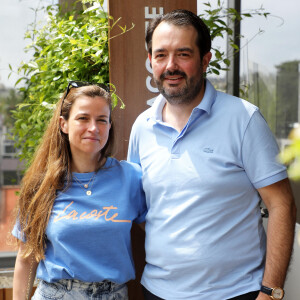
x,y
24,126
236,47
57,77
215,71
226,61
19,80
33,65
92,8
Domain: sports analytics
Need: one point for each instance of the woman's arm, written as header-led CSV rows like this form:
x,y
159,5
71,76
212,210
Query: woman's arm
x,y
24,275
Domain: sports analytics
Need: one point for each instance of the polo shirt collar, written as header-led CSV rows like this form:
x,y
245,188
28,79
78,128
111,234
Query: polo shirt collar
x,y
205,105
209,97
156,110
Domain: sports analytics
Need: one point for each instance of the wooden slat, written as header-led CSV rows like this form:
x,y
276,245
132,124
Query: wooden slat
x,y
128,58
128,73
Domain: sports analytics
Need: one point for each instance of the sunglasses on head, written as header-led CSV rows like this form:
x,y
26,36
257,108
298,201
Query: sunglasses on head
x,y
77,84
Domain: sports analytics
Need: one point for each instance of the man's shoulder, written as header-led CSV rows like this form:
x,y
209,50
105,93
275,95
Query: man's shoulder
x,y
149,112
146,114
235,104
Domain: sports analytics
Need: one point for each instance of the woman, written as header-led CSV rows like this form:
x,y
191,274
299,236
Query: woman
x,y
77,205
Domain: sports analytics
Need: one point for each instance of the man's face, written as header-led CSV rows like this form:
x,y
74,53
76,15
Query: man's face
x,y
176,63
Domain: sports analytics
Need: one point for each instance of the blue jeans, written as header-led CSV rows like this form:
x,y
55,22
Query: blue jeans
x,y
74,289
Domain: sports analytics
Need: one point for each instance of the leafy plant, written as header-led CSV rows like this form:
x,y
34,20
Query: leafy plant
x,y
217,21
291,154
72,46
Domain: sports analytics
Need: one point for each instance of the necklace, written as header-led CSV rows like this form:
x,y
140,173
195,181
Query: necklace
x,y
85,186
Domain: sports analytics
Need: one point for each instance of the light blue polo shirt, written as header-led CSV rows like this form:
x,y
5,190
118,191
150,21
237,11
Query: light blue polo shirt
x,y
204,234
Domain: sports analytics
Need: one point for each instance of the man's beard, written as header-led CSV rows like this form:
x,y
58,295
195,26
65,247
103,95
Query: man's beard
x,y
185,94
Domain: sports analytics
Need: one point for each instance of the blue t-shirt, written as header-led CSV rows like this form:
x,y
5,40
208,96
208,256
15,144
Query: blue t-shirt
x,y
88,237
204,233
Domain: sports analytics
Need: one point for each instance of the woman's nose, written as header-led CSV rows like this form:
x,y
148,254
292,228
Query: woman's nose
x,y
93,125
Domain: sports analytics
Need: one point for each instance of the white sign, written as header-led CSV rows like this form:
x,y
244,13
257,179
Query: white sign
x,y
148,16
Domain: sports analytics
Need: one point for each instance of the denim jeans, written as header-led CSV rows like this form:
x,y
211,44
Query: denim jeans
x,y
74,289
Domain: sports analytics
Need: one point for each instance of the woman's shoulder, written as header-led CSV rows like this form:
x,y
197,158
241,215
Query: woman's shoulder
x,y
131,165
111,161
123,164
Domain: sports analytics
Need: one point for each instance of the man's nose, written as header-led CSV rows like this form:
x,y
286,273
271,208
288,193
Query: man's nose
x,y
172,63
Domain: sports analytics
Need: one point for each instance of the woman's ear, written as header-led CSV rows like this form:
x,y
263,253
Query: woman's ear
x,y
63,124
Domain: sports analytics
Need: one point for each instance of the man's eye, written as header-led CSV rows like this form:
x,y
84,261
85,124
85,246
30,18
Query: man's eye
x,y
102,121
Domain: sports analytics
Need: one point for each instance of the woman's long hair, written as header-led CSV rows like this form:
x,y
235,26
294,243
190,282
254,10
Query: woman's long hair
x,y
50,171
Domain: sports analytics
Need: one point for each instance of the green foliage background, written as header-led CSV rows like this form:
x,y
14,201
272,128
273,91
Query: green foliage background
x,y
74,46
291,155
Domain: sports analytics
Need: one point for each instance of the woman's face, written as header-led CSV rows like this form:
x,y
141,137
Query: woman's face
x,y
87,127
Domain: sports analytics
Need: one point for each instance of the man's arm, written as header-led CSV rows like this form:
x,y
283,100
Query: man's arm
x,y
280,203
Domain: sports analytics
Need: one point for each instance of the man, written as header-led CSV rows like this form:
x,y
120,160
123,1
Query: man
x,y
207,158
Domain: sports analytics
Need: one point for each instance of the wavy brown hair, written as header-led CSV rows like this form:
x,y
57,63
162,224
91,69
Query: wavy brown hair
x,y
50,171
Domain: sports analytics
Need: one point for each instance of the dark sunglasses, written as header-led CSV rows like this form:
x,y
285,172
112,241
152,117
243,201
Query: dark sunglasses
x,y
77,84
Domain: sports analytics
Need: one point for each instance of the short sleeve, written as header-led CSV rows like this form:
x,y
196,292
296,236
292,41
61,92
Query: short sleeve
x,y
133,151
139,199
260,153
16,232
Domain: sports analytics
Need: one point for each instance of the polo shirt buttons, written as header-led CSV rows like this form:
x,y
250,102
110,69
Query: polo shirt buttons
x,y
175,155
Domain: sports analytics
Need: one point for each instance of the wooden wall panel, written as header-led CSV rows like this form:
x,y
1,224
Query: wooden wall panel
x,y
128,57
128,72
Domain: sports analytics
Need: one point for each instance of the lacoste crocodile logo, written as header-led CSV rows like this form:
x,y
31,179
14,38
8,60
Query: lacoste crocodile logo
x,y
208,150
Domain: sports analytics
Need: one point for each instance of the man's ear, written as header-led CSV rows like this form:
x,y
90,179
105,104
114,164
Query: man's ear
x,y
205,61
63,125
150,58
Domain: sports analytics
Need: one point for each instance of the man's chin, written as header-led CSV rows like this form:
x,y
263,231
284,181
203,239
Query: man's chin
x,y
173,98
172,93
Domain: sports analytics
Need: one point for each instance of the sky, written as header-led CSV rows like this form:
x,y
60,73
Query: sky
x,y
278,43
15,18
280,40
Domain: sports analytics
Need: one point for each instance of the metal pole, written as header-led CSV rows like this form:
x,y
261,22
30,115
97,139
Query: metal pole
x,y
233,74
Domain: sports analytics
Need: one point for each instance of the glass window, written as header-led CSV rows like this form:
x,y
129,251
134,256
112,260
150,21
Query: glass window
x,y
270,65
11,177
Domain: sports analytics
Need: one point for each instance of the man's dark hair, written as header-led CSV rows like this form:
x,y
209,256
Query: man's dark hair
x,y
181,17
